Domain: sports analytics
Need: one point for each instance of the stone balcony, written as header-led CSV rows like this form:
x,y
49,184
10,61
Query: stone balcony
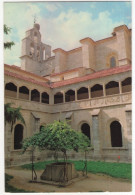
x,y
111,100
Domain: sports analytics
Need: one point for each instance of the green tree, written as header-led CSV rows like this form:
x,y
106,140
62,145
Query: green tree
x,y
12,115
57,136
7,45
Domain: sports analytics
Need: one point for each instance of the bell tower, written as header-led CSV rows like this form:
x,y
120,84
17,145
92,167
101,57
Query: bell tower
x,y
34,52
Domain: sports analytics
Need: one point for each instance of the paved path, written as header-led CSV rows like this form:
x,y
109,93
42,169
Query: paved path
x,y
94,182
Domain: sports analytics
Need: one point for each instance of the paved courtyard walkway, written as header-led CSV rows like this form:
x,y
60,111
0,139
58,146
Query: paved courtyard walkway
x,y
94,182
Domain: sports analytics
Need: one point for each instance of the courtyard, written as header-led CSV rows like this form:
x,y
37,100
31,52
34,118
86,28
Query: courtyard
x,y
101,177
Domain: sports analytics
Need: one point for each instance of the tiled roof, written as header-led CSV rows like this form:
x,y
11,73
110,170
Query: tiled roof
x,y
99,74
91,76
13,67
19,76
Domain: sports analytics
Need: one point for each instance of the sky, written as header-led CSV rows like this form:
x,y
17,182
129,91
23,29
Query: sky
x,y
63,24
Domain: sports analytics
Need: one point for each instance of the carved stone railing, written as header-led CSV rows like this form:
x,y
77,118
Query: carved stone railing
x,y
93,103
119,99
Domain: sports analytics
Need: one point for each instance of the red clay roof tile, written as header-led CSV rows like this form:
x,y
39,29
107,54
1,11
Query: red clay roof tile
x,y
91,76
25,78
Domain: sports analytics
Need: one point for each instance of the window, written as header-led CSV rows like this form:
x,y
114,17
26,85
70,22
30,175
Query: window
x,y
24,93
11,90
45,98
82,93
35,95
116,134
126,85
18,136
97,91
112,62
85,128
58,98
70,96
112,88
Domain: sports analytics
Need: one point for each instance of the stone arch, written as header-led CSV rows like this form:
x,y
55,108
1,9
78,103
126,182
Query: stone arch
x,y
35,37
11,89
126,85
45,98
82,93
32,49
70,95
24,93
112,88
35,95
116,134
42,125
85,129
58,98
96,91
18,136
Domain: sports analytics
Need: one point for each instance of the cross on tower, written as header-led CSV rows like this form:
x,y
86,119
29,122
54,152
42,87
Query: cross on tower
x,y
35,18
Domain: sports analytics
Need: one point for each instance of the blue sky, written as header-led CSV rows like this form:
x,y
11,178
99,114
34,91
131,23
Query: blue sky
x,y
63,24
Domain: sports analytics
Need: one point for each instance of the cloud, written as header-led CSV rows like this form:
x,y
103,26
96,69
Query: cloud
x,y
51,6
20,17
69,27
62,31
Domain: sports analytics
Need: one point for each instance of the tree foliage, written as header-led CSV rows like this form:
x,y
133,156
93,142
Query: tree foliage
x,y
7,45
57,136
12,115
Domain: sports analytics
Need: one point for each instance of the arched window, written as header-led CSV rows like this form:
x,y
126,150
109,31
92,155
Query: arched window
x,y
24,93
18,136
126,85
85,128
32,50
35,37
58,98
116,134
112,88
11,90
35,95
112,62
45,98
82,93
97,91
70,96
41,127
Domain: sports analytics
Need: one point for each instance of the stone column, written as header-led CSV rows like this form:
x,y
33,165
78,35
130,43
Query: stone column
x,y
96,135
64,97
89,92
129,132
75,94
17,92
120,87
29,95
104,90
40,97
51,99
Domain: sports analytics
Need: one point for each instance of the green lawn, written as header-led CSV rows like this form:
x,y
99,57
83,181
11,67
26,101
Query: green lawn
x,y
119,170
9,188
